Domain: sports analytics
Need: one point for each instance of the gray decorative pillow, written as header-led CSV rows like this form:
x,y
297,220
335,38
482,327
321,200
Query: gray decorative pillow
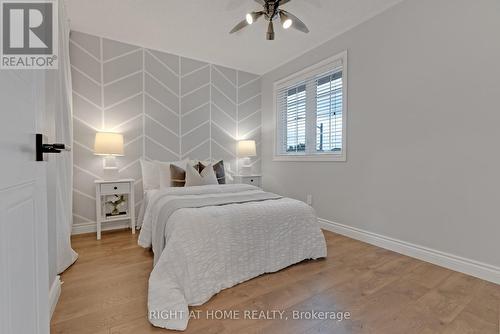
x,y
219,170
177,176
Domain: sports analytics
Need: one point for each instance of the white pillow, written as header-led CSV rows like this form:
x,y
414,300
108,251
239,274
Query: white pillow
x,y
150,175
206,177
227,169
164,171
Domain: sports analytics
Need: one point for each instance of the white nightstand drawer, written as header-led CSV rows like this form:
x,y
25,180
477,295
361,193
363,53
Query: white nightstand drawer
x,y
115,188
254,180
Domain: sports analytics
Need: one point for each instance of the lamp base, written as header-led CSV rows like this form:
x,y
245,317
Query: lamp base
x,y
110,168
111,174
246,168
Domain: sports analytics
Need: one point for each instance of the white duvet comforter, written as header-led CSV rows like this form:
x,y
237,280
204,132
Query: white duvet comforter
x,y
209,238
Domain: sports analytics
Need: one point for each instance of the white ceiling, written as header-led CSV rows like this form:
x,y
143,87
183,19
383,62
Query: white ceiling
x,y
199,28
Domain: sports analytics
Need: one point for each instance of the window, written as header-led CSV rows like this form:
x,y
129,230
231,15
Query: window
x,y
310,113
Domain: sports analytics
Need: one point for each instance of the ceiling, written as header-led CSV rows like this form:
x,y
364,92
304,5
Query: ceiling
x,y
199,28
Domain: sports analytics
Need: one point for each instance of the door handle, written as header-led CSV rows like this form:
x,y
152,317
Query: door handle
x,y
42,147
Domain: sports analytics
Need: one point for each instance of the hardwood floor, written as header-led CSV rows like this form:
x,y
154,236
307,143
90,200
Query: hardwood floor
x,y
105,291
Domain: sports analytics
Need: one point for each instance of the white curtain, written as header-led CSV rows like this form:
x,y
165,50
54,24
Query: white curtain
x,y
66,256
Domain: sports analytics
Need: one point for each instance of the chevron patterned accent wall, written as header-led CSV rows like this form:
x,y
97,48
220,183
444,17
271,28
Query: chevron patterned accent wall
x,y
168,108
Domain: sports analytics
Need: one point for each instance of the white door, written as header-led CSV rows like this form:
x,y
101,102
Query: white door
x,y
23,206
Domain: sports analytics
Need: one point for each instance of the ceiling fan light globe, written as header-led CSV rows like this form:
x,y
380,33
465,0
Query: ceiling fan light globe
x,y
249,18
287,23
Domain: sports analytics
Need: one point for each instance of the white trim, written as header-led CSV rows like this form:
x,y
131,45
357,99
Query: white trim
x,y
179,112
129,165
194,148
195,90
126,76
84,50
161,62
338,60
310,157
195,128
160,103
182,76
88,77
159,82
250,115
101,63
86,99
223,94
54,293
195,109
464,265
128,98
128,53
251,81
210,111
84,194
237,162
161,125
250,98
225,113
224,76
223,148
116,127
251,132
143,114
224,130
91,227
162,146
85,123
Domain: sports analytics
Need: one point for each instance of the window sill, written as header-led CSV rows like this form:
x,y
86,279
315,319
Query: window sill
x,y
309,158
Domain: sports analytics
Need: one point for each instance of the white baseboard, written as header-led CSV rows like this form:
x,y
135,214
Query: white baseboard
x,y
467,266
54,293
90,227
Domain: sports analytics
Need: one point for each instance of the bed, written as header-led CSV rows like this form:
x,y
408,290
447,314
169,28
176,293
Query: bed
x,y
212,237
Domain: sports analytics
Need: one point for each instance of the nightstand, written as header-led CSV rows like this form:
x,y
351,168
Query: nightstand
x,y
104,191
254,180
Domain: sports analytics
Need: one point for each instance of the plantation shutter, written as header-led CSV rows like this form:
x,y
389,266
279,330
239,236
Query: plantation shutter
x,y
310,113
292,106
329,112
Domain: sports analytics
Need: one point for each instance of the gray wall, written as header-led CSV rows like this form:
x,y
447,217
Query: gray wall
x,y
168,107
423,159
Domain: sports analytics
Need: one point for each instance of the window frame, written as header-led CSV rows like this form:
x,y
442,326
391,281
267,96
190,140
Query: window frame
x,y
317,69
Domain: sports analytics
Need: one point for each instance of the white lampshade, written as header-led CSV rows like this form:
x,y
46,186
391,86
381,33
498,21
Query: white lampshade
x,y
108,143
246,148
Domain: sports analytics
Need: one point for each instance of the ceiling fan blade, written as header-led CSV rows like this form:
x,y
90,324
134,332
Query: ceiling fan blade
x,y
297,24
261,2
282,2
239,26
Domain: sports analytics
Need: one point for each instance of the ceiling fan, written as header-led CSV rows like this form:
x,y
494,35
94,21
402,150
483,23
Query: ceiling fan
x,y
271,12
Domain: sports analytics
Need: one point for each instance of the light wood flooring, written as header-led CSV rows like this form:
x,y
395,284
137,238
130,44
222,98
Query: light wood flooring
x,y
105,291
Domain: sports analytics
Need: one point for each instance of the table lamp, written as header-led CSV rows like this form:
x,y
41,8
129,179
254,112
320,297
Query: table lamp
x,y
246,149
109,145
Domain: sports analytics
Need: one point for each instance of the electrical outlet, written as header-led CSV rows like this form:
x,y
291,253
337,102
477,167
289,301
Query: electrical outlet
x,y
309,199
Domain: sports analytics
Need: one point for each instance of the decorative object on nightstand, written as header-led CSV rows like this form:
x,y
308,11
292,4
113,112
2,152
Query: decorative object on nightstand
x,y
254,180
114,202
246,149
109,145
